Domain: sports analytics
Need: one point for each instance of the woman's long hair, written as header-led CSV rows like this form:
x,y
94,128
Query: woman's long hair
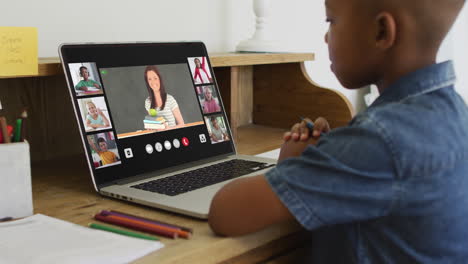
x,y
162,90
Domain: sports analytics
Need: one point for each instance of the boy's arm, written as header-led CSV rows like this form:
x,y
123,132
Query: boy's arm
x,y
249,204
92,145
245,206
96,84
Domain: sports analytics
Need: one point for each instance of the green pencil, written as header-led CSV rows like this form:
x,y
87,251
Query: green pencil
x,y
120,231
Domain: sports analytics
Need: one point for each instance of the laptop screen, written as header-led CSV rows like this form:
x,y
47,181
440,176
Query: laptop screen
x,y
145,107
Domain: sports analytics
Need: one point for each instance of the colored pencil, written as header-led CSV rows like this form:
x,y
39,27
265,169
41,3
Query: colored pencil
x,y
4,127
156,231
120,231
179,232
152,221
137,219
17,133
23,116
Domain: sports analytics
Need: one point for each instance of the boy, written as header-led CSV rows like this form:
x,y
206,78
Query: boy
x,y
107,156
86,82
392,186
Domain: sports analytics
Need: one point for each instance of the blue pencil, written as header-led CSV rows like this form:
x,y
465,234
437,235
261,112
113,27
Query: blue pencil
x,y
309,124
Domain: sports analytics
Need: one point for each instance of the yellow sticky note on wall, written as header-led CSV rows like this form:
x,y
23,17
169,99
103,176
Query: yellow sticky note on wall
x,y
18,51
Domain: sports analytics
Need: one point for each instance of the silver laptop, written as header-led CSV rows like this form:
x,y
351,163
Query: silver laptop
x,y
153,124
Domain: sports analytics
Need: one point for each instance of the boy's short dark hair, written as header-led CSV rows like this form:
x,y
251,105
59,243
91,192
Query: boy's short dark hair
x,y
101,140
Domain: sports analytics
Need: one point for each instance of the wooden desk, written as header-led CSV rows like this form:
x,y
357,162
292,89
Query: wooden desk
x,y
263,94
62,189
270,90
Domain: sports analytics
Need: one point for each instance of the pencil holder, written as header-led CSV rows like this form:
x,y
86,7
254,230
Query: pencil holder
x,y
15,180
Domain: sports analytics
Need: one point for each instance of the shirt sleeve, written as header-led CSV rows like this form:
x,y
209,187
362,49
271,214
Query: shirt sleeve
x,y
171,101
78,85
349,176
95,82
147,104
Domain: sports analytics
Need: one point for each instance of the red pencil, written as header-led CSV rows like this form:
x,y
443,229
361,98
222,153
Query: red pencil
x,y
179,232
153,221
151,230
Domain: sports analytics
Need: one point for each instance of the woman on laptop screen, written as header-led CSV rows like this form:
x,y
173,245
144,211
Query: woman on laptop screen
x,y
160,106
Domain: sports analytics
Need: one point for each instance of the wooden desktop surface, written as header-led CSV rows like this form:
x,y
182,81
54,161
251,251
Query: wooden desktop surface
x,y
63,189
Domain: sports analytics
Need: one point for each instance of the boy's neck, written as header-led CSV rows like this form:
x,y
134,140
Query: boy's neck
x,y
402,65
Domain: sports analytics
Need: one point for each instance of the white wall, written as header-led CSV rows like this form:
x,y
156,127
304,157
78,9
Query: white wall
x,y
299,24
220,24
455,48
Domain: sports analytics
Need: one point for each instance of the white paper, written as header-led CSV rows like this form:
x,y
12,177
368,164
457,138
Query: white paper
x,y
93,89
41,239
274,154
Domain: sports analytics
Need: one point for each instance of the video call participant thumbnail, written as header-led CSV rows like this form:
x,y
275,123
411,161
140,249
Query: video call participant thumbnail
x,y
200,71
95,113
217,129
87,82
209,101
106,156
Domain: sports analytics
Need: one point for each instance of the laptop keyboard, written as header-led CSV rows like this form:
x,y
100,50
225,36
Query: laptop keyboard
x,y
199,178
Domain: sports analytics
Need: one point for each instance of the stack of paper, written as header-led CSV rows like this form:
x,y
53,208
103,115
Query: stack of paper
x,y
43,239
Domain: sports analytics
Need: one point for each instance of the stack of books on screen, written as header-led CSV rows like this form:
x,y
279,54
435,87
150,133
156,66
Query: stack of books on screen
x,y
143,224
154,122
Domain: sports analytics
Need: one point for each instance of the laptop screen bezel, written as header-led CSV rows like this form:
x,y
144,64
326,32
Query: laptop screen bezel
x,y
67,51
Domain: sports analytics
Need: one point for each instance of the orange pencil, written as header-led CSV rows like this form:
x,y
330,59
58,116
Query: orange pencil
x,y
179,232
127,224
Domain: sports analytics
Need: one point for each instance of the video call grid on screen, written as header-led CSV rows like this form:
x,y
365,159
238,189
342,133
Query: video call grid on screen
x,y
129,72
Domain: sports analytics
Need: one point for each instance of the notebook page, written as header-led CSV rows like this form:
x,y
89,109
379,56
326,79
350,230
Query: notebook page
x,y
42,239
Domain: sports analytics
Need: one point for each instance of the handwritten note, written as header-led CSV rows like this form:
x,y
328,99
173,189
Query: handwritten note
x,y
18,51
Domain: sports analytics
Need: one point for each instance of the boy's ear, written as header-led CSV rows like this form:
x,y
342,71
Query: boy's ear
x,y
386,31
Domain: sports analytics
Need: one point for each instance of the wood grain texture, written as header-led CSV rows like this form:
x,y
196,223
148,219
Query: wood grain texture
x,y
63,189
254,139
241,97
244,59
269,94
50,66
51,127
284,92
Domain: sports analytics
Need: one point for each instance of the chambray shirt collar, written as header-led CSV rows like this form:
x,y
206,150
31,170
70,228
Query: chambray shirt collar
x,y
422,81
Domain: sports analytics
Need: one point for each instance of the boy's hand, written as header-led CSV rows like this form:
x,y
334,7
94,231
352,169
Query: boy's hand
x,y
293,148
300,131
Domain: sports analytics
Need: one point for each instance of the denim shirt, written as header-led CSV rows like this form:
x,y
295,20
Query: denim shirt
x,y
392,186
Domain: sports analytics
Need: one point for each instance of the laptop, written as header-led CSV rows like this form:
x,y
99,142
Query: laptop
x,y
153,125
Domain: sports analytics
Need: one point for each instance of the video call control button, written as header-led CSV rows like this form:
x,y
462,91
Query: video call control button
x,y
149,149
158,147
202,138
185,141
167,145
128,153
176,143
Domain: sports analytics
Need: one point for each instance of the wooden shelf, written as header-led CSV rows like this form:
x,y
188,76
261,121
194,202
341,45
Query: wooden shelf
x,y
255,139
246,59
263,94
50,66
